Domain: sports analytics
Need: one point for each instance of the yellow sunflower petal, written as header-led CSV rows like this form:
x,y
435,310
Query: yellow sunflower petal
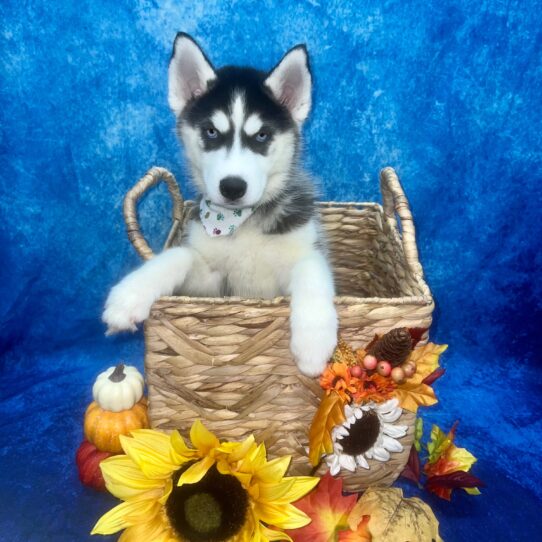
x,y
256,536
166,492
124,479
255,528
274,470
155,530
149,455
202,438
243,477
196,472
285,516
256,458
125,515
155,439
127,494
274,492
288,490
223,467
272,535
180,452
247,531
240,449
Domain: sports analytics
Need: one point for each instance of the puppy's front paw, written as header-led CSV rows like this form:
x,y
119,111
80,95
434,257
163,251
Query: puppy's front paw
x,y
127,305
314,338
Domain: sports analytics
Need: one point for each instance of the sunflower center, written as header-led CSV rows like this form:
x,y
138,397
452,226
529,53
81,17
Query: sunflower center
x,y
211,510
203,512
362,435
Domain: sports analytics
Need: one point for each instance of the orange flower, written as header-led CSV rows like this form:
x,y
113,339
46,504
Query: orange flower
x,y
374,388
337,377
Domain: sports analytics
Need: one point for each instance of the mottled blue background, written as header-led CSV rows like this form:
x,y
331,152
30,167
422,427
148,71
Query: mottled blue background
x,y
447,92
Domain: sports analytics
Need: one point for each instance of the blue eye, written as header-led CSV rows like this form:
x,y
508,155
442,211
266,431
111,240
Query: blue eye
x,y
261,137
211,132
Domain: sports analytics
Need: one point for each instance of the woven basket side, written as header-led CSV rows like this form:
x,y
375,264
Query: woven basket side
x,y
354,237
230,365
234,371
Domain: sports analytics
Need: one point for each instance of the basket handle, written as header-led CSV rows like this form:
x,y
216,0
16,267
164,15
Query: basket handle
x,y
148,181
396,204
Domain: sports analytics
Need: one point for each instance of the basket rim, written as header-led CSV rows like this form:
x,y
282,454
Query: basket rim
x,y
420,300
325,203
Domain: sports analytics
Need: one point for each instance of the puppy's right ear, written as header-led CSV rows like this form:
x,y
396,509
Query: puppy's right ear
x,y
189,72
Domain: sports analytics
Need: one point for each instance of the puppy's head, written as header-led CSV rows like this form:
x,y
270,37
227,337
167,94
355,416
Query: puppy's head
x,y
240,127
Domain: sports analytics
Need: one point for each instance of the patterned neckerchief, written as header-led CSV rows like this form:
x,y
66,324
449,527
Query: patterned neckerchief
x,y
219,221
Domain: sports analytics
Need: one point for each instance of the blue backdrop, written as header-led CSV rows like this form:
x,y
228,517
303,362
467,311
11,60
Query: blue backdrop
x,y
447,92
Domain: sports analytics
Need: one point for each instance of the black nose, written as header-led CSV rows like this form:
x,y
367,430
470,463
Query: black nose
x,y
233,188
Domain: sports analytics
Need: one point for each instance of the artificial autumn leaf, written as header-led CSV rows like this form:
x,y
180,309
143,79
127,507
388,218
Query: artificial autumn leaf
x,y
414,392
361,534
443,485
434,376
416,333
426,358
412,468
439,442
394,518
329,414
418,434
328,510
445,458
412,395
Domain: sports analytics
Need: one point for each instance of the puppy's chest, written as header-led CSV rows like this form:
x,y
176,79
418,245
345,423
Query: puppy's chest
x,y
251,263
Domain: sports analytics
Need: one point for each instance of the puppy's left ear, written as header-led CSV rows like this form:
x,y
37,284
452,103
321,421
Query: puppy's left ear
x,y
290,82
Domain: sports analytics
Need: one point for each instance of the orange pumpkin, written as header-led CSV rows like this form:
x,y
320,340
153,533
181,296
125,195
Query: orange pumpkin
x,y
103,428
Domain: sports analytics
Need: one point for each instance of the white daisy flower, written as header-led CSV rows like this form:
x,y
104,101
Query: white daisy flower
x,y
369,432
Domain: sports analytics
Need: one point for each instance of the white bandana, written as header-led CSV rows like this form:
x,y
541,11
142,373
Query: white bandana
x,y
218,220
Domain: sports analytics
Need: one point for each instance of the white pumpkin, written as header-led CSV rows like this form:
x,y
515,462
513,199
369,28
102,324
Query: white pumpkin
x,y
118,388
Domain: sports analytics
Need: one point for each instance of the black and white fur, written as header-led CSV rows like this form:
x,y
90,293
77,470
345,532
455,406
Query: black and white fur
x,y
243,124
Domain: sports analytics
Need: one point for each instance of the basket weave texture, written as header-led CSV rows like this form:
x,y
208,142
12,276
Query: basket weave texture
x,y
227,361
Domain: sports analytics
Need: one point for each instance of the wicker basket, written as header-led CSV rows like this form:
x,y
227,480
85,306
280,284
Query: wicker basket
x,y
227,360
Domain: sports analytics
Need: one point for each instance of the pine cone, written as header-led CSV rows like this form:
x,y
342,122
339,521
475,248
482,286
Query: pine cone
x,y
395,346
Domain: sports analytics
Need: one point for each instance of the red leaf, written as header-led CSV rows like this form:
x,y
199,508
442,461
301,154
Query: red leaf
x,y
412,468
416,333
444,484
328,510
434,376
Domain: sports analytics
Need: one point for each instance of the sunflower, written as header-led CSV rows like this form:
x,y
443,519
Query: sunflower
x,y
213,492
337,377
369,432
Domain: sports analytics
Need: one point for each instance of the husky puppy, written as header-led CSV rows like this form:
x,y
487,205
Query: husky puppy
x,y
256,232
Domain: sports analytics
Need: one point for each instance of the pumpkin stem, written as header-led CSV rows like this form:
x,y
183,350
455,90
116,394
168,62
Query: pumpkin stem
x,y
118,374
